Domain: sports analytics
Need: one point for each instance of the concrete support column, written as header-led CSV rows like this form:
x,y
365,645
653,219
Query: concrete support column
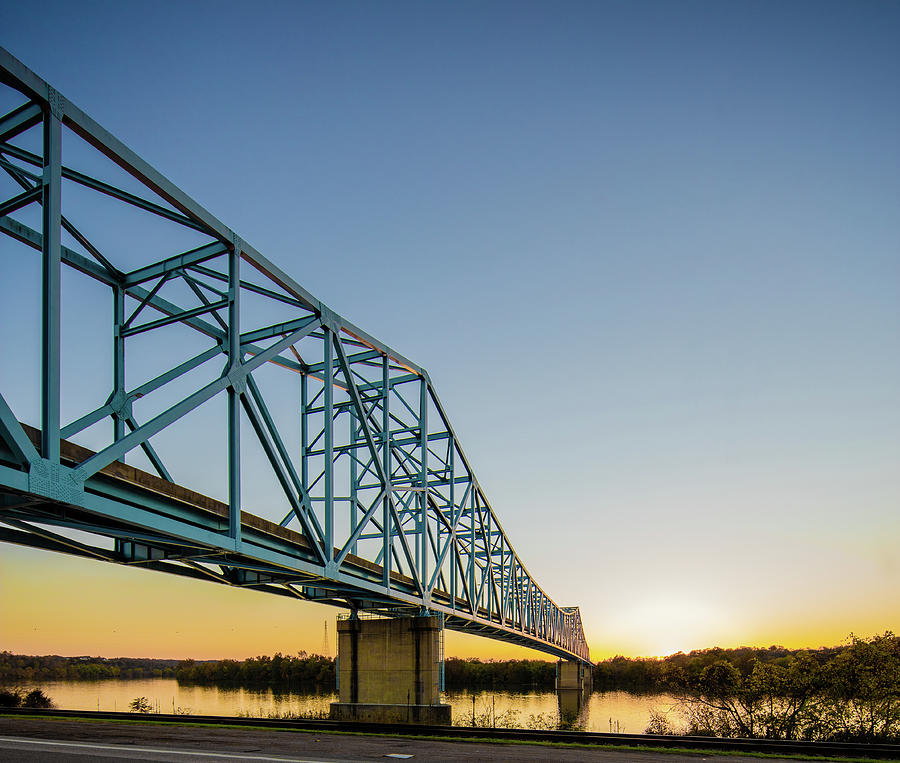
x,y
574,683
389,671
574,674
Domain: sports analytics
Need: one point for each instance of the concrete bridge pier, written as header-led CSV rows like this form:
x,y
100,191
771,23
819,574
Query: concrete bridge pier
x,y
389,671
574,674
574,683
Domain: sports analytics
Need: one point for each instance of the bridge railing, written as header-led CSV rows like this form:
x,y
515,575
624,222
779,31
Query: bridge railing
x,y
364,458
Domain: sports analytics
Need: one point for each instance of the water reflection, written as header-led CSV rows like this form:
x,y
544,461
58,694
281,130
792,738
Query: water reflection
x,y
628,713
574,708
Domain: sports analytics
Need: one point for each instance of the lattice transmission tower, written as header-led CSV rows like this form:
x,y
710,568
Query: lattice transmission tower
x,y
326,651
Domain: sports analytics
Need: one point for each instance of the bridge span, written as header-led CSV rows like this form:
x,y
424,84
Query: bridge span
x,y
371,502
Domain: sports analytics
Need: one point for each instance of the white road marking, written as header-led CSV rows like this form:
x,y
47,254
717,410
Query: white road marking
x,y
162,751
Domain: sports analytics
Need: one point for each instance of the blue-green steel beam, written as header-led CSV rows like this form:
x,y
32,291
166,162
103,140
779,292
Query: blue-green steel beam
x,y
278,329
89,247
160,422
18,120
387,536
107,189
51,192
62,540
370,441
22,200
23,177
149,451
329,441
146,299
118,392
186,259
275,451
249,286
177,318
14,436
235,388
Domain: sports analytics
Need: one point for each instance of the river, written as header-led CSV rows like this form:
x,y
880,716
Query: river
x,y
609,711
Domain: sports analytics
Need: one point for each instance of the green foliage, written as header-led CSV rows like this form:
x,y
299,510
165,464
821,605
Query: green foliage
x,y
846,693
659,724
140,705
637,675
28,668
286,715
861,698
305,671
486,717
495,674
653,675
10,698
852,695
769,701
542,722
314,672
35,699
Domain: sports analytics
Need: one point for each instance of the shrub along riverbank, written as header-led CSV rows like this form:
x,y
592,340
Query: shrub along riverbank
x,y
847,694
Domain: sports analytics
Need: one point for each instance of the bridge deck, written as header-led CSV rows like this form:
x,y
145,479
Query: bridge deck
x,y
170,554
208,512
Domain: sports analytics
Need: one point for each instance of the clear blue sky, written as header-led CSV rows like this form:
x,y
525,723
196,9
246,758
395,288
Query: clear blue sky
x,y
649,253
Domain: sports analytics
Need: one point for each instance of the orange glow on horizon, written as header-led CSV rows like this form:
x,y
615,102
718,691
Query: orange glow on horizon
x,y
54,604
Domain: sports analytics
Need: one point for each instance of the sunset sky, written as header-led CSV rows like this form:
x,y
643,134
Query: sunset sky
x,y
649,253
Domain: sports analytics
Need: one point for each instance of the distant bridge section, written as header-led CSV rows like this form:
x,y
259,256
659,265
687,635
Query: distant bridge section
x,y
363,496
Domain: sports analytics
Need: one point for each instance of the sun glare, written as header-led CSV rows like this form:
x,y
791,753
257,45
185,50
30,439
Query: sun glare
x,y
659,627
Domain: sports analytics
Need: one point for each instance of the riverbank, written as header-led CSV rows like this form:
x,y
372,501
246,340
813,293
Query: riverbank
x,y
610,711
332,740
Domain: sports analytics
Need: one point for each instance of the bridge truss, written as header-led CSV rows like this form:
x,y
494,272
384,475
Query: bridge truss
x,y
375,505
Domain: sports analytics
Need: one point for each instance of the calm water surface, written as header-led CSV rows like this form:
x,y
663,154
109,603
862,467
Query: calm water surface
x,y
616,711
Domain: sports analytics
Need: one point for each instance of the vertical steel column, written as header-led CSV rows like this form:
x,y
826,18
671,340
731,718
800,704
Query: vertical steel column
x,y
118,377
328,373
386,534
118,362
522,603
501,604
51,251
454,512
526,620
304,432
529,608
422,545
489,561
353,478
234,393
474,603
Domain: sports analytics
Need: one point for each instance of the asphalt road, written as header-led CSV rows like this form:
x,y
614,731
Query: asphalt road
x,y
58,740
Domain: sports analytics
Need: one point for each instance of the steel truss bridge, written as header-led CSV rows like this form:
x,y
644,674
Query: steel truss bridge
x,y
370,504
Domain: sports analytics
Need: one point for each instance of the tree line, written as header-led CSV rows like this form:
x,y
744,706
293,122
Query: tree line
x,y
653,674
16,668
302,672
846,694
538,675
